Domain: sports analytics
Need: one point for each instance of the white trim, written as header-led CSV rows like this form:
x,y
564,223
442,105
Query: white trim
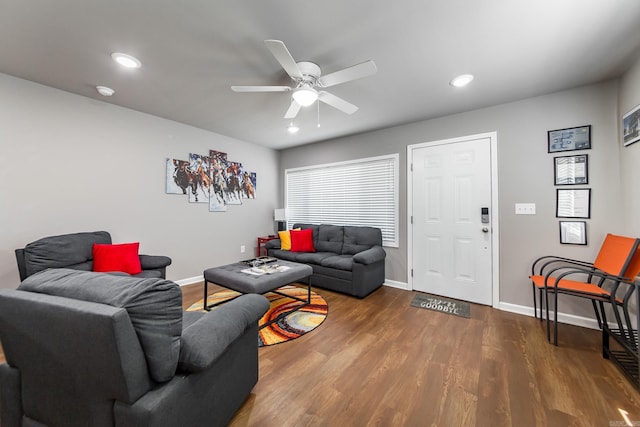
x,y
398,285
495,229
189,280
570,319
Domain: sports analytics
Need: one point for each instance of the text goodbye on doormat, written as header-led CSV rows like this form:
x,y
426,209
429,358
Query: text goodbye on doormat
x,y
443,305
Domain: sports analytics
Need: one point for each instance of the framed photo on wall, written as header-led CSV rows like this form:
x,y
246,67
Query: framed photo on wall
x,y
569,139
573,232
631,126
573,203
571,170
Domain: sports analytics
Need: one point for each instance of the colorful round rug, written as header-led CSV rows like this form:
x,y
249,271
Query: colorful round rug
x,y
288,327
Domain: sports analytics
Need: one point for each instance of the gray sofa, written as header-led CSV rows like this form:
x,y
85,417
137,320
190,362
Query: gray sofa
x,y
348,259
75,251
86,348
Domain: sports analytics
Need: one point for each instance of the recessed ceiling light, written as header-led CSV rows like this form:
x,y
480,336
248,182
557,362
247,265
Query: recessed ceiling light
x,y
293,128
105,91
462,80
126,60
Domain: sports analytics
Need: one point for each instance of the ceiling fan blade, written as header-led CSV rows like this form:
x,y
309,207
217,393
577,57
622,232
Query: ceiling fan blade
x,y
260,88
364,69
293,110
280,51
335,102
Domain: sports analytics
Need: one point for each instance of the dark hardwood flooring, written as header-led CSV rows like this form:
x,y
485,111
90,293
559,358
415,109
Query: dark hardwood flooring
x,y
379,361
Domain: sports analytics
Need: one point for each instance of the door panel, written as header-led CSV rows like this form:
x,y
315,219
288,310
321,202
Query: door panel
x,y
451,252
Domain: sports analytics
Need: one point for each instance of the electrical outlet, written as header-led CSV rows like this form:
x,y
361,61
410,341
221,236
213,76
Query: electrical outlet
x,y
525,208
242,249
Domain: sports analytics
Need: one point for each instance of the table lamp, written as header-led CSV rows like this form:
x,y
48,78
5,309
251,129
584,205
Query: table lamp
x,y
280,216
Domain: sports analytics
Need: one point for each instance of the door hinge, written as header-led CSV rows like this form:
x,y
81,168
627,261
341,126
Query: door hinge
x,y
412,272
411,167
411,219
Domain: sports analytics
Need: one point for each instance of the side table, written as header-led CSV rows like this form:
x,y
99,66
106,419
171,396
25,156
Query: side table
x,y
261,250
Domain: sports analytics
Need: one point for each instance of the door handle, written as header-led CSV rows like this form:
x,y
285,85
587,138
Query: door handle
x,y
485,229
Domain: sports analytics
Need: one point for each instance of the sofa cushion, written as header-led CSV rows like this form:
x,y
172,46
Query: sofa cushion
x,y
85,266
154,307
285,255
358,239
62,251
149,274
302,241
341,262
121,257
313,257
332,273
330,238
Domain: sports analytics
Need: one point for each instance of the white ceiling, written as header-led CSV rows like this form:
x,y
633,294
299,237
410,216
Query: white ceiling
x,y
192,51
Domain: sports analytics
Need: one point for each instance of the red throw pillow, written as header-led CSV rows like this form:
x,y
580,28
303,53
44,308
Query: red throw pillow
x,y
123,257
302,240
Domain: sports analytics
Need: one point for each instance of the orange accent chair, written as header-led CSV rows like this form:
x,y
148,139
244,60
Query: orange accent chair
x,y
608,279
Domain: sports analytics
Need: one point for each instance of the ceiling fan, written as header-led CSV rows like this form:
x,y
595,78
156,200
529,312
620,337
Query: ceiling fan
x,y
309,81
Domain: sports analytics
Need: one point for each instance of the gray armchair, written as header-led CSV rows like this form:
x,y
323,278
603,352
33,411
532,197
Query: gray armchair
x,y
75,251
85,348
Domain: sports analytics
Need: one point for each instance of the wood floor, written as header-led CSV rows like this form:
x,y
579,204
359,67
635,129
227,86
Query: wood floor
x,y
380,362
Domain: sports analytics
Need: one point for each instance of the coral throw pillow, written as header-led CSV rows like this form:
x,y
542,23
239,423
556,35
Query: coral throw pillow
x,y
302,241
123,257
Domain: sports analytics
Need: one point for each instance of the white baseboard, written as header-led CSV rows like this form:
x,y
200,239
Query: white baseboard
x,y
399,285
570,319
189,280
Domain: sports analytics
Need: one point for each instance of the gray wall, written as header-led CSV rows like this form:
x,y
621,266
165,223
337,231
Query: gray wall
x,y
71,163
525,172
630,155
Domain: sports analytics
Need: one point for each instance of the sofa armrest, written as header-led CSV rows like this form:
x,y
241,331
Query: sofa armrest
x,y
152,262
10,396
272,244
205,340
370,256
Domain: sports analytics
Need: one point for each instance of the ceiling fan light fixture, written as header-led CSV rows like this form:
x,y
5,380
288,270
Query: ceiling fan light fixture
x,y
461,81
125,60
305,95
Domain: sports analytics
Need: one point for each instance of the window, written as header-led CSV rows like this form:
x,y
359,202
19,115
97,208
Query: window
x,y
361,192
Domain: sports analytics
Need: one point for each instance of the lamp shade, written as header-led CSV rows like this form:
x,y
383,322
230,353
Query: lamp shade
x,y
280,215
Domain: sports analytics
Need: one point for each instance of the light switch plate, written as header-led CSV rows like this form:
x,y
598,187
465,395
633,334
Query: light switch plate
x,y
525,208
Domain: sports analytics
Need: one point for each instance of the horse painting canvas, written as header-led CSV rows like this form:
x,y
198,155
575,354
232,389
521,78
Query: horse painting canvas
x,y
199,166
179,178
249,185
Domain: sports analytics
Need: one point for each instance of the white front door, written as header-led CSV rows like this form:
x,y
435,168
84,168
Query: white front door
x,y
451,238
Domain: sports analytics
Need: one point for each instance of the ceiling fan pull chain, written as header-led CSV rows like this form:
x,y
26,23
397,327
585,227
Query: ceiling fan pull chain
x,y
318,113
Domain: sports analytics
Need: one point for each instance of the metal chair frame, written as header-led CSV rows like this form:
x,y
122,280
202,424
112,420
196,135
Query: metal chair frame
x,y
554,270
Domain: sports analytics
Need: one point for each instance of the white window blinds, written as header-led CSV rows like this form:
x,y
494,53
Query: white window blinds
x,y
361,192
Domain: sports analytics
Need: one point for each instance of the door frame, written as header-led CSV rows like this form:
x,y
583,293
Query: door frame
x,y
495,235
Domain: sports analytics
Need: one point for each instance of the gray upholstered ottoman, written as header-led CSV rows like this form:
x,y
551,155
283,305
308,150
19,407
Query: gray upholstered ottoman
x,y
231,276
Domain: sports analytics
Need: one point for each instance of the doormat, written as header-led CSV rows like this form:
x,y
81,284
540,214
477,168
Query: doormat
x,y
443,305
